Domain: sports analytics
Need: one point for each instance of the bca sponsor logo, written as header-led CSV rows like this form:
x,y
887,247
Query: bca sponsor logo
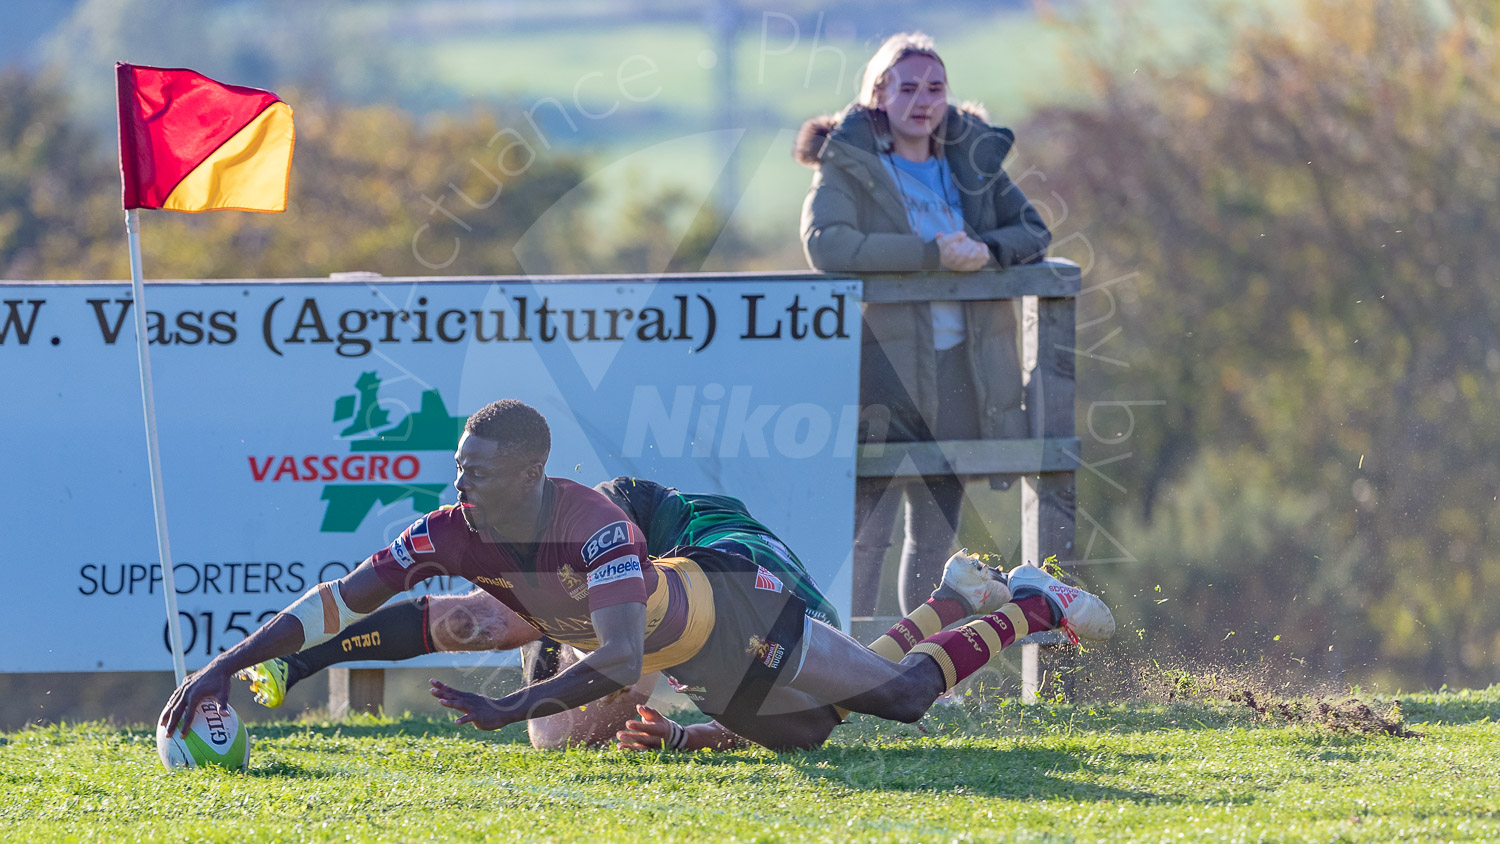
x,y
604,539
767,581
615,570
403,556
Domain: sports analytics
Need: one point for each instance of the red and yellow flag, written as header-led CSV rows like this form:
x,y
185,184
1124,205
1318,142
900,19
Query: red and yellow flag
x,y
188,143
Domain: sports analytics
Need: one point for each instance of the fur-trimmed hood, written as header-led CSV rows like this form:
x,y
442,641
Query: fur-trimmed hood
x,y
865,129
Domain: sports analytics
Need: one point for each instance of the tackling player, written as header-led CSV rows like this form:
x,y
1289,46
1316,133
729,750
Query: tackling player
x,y
743,644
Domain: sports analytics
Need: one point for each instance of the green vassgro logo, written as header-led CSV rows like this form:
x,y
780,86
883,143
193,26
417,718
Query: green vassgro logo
x,y
430,428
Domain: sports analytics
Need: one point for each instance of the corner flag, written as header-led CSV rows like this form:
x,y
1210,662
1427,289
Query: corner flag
x,y
188,143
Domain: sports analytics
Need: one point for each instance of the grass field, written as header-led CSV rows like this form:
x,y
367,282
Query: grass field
x,y
1181,770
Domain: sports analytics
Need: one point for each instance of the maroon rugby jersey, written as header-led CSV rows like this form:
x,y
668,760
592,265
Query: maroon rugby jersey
x,y
588,556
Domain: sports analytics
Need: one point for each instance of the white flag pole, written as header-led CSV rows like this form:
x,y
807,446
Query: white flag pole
x,y
153,449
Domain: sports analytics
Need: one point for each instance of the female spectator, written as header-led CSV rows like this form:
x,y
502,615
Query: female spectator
x,y
906,182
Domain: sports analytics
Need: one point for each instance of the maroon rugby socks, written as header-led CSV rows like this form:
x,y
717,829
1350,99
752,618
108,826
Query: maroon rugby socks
x,y
924,621
394,632
961,652
967,649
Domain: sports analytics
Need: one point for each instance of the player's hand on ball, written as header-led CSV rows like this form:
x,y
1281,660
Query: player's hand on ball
x,y
483,712
651,732
208,684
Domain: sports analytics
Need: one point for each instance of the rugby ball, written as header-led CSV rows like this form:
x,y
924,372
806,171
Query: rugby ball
x,y
211,738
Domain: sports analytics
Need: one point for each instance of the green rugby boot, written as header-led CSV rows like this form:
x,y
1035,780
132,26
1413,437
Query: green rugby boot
x,y
267,682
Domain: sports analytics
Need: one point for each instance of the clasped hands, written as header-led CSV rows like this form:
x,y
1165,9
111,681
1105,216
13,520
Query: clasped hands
x,y
961,253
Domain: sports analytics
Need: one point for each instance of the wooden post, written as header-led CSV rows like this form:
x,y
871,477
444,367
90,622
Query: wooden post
x,y
355,690
1049,500
1049,458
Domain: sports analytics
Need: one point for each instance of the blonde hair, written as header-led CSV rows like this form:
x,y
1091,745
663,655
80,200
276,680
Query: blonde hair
x,y
899,46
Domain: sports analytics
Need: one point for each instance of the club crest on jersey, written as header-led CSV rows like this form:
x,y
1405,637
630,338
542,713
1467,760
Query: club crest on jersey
x,y
621,568
605,538
767,652
403,556
421,539
575,585
767,581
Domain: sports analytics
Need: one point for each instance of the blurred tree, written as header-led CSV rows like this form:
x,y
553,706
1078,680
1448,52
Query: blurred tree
x,y
53,210
274,44
371,189
1312,217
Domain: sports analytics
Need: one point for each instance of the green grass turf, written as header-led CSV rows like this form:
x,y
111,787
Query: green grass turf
x,y
1202,770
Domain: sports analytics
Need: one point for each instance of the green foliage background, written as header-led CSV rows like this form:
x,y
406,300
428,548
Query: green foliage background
x,y
1301,236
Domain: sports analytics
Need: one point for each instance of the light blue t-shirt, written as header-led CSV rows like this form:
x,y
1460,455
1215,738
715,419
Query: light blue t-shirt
x,y
932,200
933,207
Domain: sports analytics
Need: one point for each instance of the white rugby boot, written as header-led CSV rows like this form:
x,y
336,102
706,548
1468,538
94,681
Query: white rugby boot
x,y
974,584
1084,616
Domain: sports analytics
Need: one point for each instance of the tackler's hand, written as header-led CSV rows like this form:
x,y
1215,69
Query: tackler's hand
x,y
654,731
483,712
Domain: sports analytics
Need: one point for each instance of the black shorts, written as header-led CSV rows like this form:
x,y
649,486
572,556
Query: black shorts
x,y
757,635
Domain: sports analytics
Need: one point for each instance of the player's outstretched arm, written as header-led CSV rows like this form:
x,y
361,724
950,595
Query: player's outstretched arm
x,y
655,731
318,615
615,665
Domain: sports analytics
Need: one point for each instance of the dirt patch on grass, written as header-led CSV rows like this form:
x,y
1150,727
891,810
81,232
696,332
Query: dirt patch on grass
x,y
1272,693
1351,716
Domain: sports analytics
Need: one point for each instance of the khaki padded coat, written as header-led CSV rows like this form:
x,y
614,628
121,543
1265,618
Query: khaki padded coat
x,y
853,220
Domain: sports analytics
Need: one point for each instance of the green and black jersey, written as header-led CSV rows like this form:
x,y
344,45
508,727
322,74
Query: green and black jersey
x,y
670,518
